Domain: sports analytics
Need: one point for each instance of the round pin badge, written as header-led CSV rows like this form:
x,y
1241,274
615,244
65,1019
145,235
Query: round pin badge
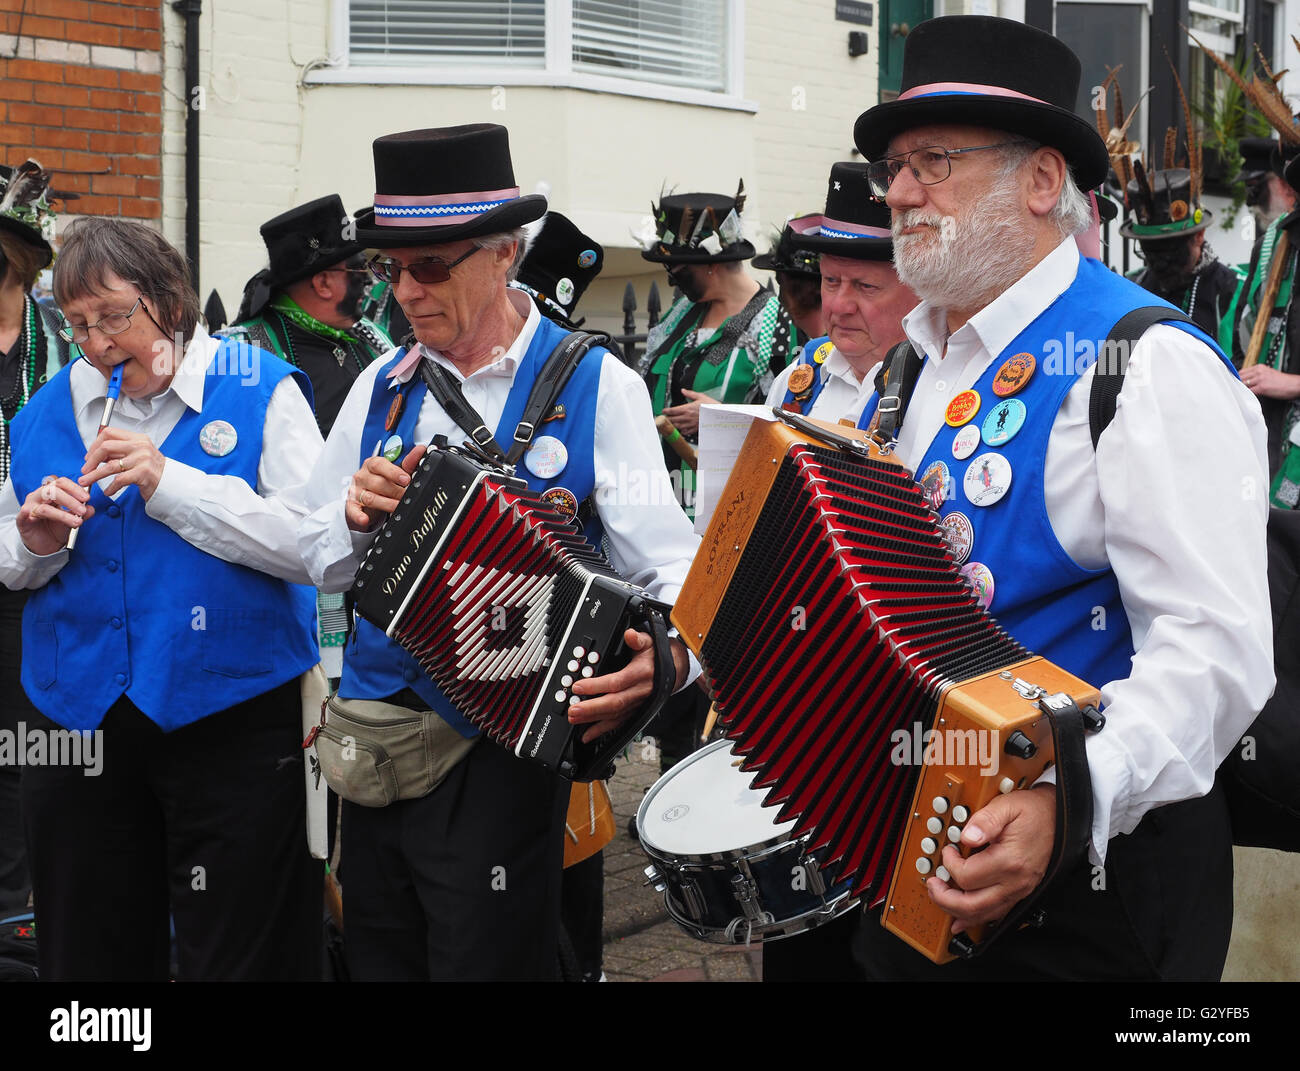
x,y
218,438
801,378
980,579
959,534
965,441
1013,374
546,457
586,258
822,352
987,479
962,408
564,291
394,412
934,484
563,501
393,448
1004,420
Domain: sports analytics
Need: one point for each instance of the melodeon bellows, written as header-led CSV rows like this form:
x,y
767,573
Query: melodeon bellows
x,y
855,671
505,605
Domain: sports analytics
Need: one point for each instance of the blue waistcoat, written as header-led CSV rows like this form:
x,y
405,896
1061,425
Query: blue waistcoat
x,y
375,667
819,381
1070,615
139,611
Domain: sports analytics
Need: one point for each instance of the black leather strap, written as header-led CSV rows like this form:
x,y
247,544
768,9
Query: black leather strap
x,y
897,376
1112,362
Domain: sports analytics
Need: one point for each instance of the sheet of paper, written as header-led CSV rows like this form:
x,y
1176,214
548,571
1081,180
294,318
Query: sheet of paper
x,y
722,432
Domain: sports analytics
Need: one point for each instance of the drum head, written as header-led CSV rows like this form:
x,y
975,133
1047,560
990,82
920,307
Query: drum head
x,y
704,806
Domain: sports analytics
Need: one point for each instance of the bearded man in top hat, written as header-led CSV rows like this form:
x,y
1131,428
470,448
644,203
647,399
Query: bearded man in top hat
x,y
463,882
305,307
863,302
1137,565
1169,223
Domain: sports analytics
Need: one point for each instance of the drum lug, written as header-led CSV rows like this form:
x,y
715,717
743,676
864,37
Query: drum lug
x,y
653,877
693,899
745,890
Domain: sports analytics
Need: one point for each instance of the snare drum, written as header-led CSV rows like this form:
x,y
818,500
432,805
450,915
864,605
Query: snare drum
x,y
728,872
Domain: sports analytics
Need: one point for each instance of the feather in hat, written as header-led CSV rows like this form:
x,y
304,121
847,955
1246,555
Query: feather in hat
x,y
1263,93
25,193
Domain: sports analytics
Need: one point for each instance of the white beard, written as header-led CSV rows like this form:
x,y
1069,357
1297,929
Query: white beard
x,y
964,261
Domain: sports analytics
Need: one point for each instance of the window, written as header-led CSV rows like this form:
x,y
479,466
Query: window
x,y
683,50
1106,36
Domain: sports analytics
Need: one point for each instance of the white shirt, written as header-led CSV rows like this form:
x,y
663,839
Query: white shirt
x,y
843,395
651,542
219,514
1175,500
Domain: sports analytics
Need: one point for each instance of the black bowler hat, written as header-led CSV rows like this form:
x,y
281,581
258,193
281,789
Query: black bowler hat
x,y
976,70
560,264
299,243
853,225
1162,207
784,257
442,185
699,228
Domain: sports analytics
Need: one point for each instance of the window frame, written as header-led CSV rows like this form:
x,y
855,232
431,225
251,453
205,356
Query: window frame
x,y
557,72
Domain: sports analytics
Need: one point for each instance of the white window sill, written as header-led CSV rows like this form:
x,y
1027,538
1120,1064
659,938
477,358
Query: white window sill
x,y
416,75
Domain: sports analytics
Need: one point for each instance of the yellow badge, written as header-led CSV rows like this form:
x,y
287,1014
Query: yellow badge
x,y
823,351
962,408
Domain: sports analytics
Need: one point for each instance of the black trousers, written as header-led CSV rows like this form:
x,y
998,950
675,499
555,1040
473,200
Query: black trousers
x,y
15,710
462,884
207,820
1161,910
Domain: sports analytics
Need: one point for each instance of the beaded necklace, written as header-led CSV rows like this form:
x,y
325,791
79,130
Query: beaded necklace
x,y
25,383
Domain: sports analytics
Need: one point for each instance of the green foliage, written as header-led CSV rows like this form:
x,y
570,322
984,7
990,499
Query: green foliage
x,y
1225,120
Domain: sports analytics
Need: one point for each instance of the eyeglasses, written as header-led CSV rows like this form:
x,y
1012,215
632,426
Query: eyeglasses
x,y
431,270
930,165
112,324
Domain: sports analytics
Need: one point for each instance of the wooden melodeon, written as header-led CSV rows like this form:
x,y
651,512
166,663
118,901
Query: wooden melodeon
x,y
505,606
855,672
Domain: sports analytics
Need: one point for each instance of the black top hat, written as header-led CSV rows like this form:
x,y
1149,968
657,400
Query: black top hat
x,y
442,185
982,71
1164,208
699,228
299,243
783,256
853,225
24,204
559,266
1259,157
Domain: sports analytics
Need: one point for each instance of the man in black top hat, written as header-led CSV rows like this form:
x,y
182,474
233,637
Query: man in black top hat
x,y
1169,224
1268,194
305,307
460,881
985,166
558,266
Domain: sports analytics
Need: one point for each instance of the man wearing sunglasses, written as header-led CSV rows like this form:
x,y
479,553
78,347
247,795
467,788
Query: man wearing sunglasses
x,y
305,307
1120,561
462,882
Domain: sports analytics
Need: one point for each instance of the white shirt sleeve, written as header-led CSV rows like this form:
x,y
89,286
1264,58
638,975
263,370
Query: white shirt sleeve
x,y
224,517
1183,482
776,395
20,569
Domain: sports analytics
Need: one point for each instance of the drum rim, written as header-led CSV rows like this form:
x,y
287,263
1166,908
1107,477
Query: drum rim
x,y
831,909
727,855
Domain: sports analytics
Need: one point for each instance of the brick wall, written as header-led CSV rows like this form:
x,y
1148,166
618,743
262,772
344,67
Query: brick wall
x,y
81,91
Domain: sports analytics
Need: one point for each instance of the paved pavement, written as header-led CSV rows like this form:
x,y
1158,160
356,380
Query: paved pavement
x,y
642,944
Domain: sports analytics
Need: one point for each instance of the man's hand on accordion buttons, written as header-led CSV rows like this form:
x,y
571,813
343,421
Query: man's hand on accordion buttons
x,y
1015,833
616,696
377,487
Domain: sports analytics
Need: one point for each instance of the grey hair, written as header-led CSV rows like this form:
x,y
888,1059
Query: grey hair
x,y
495,242
1072,212
95,247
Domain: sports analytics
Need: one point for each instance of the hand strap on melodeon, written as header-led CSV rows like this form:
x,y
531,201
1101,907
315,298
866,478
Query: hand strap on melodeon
x,y
555,373
1073,813
894,385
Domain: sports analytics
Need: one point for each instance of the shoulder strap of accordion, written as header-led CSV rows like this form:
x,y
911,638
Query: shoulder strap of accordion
x,y
1112,361
894,384
559,367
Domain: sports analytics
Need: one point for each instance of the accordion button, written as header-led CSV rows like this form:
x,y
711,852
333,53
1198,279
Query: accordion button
x,y
923,865
954,834
940,805
561,696
1006,785
586,671
567,681
942,873
934,825
572,667
928,845
959,813
593,657
578,652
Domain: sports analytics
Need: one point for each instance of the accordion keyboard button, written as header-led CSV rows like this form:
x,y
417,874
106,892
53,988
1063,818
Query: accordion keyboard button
x,y
940,805
960,814
923,865
593,657
942,873
934,825
954,834
560,696
928,845
587,671
567,681
572,667
578,652
1006,785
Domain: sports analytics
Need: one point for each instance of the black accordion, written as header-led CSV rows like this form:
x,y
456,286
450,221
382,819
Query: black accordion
x,y
505,606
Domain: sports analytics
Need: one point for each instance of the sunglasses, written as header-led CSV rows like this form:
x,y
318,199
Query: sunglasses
x,y
431,270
